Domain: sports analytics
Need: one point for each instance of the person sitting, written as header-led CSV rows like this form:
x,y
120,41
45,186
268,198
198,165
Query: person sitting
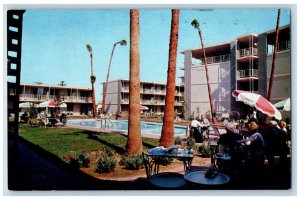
x,y
255,146
276,143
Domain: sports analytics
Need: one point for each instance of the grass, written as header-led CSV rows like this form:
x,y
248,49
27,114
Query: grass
x,y
70,141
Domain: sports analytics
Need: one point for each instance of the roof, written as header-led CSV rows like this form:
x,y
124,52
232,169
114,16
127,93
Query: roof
x,y
54,86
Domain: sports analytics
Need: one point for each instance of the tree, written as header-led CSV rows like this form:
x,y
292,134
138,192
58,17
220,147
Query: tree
x,y
134,141
266,118
196,25
93,80
122,43
167,133
62,83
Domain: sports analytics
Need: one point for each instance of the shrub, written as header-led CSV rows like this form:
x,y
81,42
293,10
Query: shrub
x,y
107,162
178,141
205,151
83,159
71,162
164,161
190,143
132,162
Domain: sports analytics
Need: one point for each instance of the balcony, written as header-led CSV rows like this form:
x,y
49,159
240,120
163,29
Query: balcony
x,y
124,101
247,73
246,52
216,59
41,98
125,89
282,46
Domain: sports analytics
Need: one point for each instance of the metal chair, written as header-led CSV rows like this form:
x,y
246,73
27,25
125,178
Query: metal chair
x,y
166,180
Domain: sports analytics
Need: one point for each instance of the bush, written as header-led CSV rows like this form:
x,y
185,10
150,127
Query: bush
x,y
83,159
164,161
205,151
71,162
107,162
178,141
132,162
190,143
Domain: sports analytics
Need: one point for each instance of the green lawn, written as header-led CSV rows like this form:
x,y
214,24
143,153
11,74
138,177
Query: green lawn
x,y
69,141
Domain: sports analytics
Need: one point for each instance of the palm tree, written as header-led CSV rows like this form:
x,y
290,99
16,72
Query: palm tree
x,y
134,141
93,79
266,118
196,25
122,43
167,133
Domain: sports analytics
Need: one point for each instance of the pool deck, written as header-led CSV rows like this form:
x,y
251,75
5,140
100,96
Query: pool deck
x,y
107,130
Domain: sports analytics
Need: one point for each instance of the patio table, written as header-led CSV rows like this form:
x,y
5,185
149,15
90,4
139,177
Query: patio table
x,y
152,161
199,177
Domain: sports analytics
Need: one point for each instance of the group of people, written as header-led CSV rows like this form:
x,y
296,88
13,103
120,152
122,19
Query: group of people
x,y
198,127
249,149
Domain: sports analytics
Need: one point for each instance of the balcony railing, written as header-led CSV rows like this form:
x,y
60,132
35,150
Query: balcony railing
x,y
216,59
282,46
212,60
246,52
35,97
247,73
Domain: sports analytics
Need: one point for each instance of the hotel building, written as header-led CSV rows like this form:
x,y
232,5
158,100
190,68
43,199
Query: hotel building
x,y
244,64
152,96
78,100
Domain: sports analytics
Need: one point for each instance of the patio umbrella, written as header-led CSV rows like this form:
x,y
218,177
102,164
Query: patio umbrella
x,y
51,104
144,107
27,105
257,101
284,105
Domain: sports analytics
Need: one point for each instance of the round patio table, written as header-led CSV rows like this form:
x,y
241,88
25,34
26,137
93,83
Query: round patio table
x,y
198,177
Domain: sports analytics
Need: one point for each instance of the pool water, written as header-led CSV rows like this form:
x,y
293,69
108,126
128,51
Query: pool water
x,y
147,127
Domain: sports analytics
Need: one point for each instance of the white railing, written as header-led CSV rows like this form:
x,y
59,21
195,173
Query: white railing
x,y
247,73
212,59
216,59
246,52
125,101
35,97
125,89
282,46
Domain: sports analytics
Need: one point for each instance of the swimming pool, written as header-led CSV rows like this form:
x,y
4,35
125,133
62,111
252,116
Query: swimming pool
x,y
147,127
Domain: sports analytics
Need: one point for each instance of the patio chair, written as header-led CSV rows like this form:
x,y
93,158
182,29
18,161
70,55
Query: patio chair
x,y
213,134
163,180
46,122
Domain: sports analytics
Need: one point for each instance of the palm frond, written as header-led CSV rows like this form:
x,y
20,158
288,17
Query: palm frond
x,y
195,23
89,48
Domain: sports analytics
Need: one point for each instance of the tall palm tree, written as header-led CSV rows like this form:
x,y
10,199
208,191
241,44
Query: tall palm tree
x,y
122,43
266,118
134,141
167,133
196,25
93,79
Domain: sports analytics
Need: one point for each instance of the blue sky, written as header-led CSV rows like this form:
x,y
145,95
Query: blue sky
x,y
54,41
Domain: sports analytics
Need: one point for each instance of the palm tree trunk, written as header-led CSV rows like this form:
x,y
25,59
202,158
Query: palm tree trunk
x,y
93,89
273,64
207,79
107,76
134,142
167,134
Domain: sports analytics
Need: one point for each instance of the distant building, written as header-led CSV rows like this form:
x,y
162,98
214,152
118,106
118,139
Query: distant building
x,y
78,100
152,97
244,64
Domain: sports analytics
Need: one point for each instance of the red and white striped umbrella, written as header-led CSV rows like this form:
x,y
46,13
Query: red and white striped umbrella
x,y
257,101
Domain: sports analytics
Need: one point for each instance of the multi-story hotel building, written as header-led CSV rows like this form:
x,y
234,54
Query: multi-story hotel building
x,y
152,96
78,100
244,64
